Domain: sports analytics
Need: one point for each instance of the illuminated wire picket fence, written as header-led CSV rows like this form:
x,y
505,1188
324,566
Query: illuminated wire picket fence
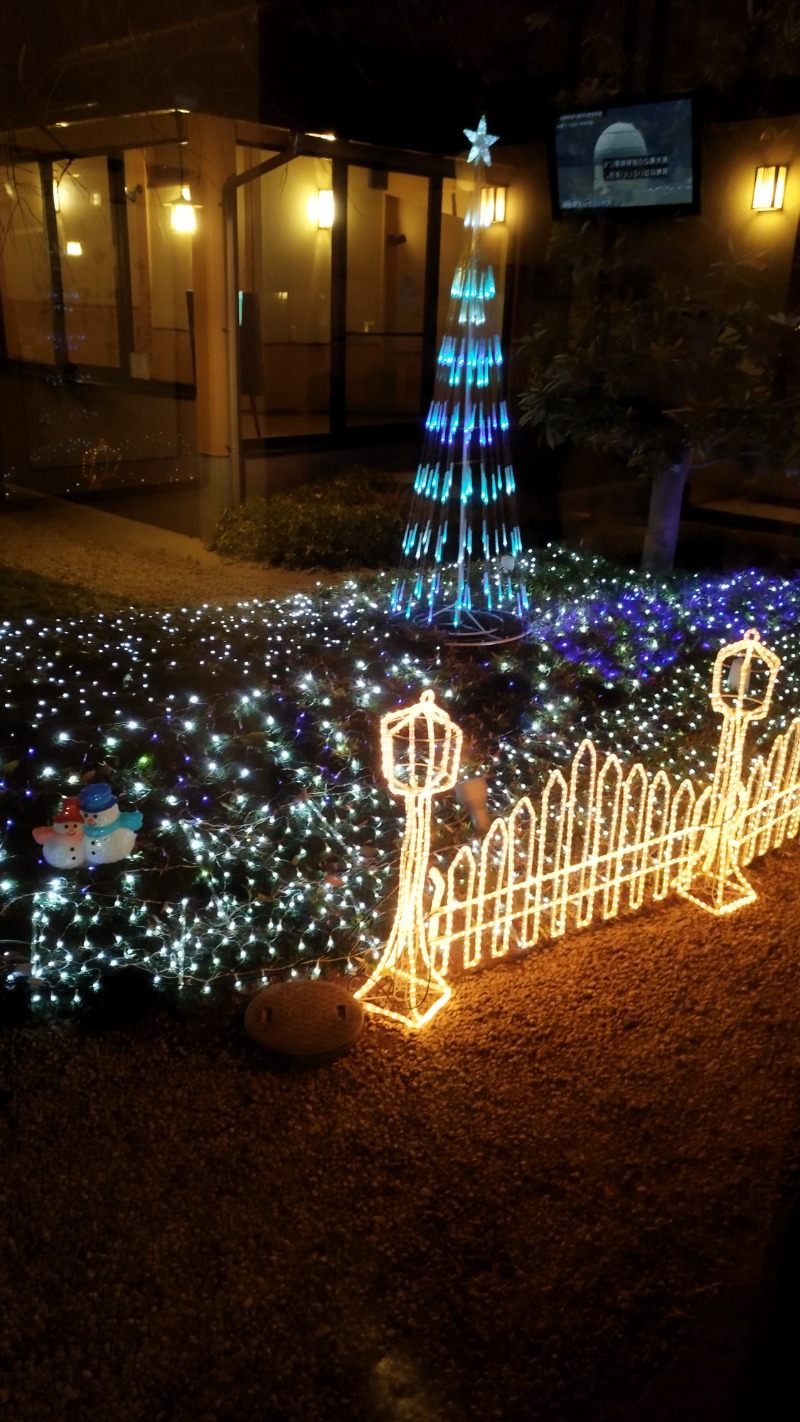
x,y
770,809
601,841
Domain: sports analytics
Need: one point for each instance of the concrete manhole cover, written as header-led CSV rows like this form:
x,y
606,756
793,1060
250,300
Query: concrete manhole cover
x,y
305,1021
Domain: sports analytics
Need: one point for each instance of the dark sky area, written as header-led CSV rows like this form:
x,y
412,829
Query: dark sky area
x,y
409,72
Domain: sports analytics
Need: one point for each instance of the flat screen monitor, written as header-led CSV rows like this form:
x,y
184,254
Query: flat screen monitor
x,y
626,158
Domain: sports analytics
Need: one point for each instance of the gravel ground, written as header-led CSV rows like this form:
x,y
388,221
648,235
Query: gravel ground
x,y
131,562
557,1202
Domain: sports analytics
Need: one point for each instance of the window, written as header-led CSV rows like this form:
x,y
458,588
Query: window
x,y
87,256
25,272
285,299
338,317
387,218
160,268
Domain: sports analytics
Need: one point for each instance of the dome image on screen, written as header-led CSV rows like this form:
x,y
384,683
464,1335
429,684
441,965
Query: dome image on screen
x,y
617,144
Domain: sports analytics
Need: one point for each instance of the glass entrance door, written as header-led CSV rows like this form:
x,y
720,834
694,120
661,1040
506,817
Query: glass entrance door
x,y
387,217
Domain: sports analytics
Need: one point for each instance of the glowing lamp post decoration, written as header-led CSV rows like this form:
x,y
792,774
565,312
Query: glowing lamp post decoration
x,y
462,538
420,754
718,883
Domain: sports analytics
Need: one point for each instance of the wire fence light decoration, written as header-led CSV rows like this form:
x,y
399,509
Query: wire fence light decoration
x,y
462,539
599,843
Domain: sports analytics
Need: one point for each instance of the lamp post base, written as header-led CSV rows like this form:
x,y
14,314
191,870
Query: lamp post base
x,y
404,997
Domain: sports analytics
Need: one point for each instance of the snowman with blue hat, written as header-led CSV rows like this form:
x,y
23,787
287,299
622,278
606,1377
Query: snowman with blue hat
x,y
109,833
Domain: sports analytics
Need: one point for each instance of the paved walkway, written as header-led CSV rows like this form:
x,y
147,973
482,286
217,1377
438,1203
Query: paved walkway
x,y
121,557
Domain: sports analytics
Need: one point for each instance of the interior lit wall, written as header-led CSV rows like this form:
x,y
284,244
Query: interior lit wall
x,y
764,240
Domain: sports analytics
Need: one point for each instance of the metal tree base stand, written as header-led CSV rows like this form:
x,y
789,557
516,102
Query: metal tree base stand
x,y
479,628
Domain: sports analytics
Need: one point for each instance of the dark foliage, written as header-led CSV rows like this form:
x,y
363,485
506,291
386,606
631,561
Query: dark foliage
x,y
353,521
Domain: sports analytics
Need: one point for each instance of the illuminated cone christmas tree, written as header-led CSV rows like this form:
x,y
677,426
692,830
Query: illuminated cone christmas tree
x,y
462,538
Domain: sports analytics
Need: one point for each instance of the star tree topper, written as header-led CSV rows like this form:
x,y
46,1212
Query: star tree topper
x,y
481,143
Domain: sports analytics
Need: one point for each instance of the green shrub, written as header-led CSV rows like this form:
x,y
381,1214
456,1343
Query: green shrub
x,y
353,521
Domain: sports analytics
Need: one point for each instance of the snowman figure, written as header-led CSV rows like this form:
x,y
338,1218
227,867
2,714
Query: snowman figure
x,y
110,835
63,842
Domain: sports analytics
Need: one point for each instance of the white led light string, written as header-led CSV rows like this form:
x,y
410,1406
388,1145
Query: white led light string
x,y
616,658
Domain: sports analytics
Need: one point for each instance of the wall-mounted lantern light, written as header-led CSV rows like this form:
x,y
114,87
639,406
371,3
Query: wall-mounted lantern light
x,y
74,249
184,218
493,205
320,207
769,188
